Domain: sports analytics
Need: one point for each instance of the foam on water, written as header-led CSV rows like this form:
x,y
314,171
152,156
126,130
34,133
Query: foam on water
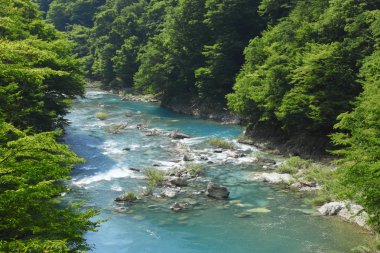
x,y
116,188
194,141
112,147
95,93
108,176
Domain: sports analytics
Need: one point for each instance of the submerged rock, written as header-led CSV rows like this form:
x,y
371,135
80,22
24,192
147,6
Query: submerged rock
x,y
217,191
180,206
259,210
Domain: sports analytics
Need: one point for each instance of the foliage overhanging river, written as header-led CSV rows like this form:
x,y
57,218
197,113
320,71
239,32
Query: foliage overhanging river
x,y
211,225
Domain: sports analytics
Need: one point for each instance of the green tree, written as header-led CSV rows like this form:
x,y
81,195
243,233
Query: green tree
x,y
38,72
180,45
232,24
32,170
64,13
302,72
38,77
360,142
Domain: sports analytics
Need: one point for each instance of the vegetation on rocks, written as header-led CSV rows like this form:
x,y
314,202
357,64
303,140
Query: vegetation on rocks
x,y
195,169
155,177
102,115
221,143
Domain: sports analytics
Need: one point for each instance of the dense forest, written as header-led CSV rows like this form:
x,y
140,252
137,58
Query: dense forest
x,y
307,71
38,77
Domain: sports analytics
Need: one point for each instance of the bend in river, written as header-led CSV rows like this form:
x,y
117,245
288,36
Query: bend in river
x,y
256,217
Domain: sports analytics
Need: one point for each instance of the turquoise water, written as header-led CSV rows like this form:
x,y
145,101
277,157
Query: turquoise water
x,y
211,225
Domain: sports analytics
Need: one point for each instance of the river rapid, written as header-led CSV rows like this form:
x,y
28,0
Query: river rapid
x,y
256,218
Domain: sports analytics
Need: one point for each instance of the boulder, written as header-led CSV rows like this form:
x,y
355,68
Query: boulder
x,y
348,211
168,193
203,158
217,191
273,178
187,158
179,206
126,198
135,169
178,181
354,213
332,208
178,135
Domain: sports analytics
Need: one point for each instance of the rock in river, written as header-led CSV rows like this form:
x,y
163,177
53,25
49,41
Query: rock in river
x,y
179,206
217,191
331,208
273,178
169,193
178,181
178,135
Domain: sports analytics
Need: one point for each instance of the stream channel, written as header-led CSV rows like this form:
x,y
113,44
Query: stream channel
x,y
257,217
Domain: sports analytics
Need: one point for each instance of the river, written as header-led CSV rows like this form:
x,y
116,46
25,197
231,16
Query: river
x,y
288,225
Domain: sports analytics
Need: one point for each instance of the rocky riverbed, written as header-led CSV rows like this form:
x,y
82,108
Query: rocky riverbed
x,y
209,200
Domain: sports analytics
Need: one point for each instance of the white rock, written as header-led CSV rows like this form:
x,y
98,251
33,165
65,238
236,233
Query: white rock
x,y
332,208
348,211
273,178
168,193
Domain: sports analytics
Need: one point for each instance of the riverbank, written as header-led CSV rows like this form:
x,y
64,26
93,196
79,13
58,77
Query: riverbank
x,y
265,137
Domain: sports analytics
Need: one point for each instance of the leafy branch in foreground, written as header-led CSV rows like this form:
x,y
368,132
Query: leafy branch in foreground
x,y
32,171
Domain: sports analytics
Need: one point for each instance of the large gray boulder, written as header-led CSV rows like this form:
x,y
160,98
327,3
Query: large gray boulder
x,y
332,208
217,191
348,211
168,193
178,181
273,178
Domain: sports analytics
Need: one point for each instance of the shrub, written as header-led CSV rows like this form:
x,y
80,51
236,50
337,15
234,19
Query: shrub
x,y
195,169
293,165
221,143
155,177
321,198
101,115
